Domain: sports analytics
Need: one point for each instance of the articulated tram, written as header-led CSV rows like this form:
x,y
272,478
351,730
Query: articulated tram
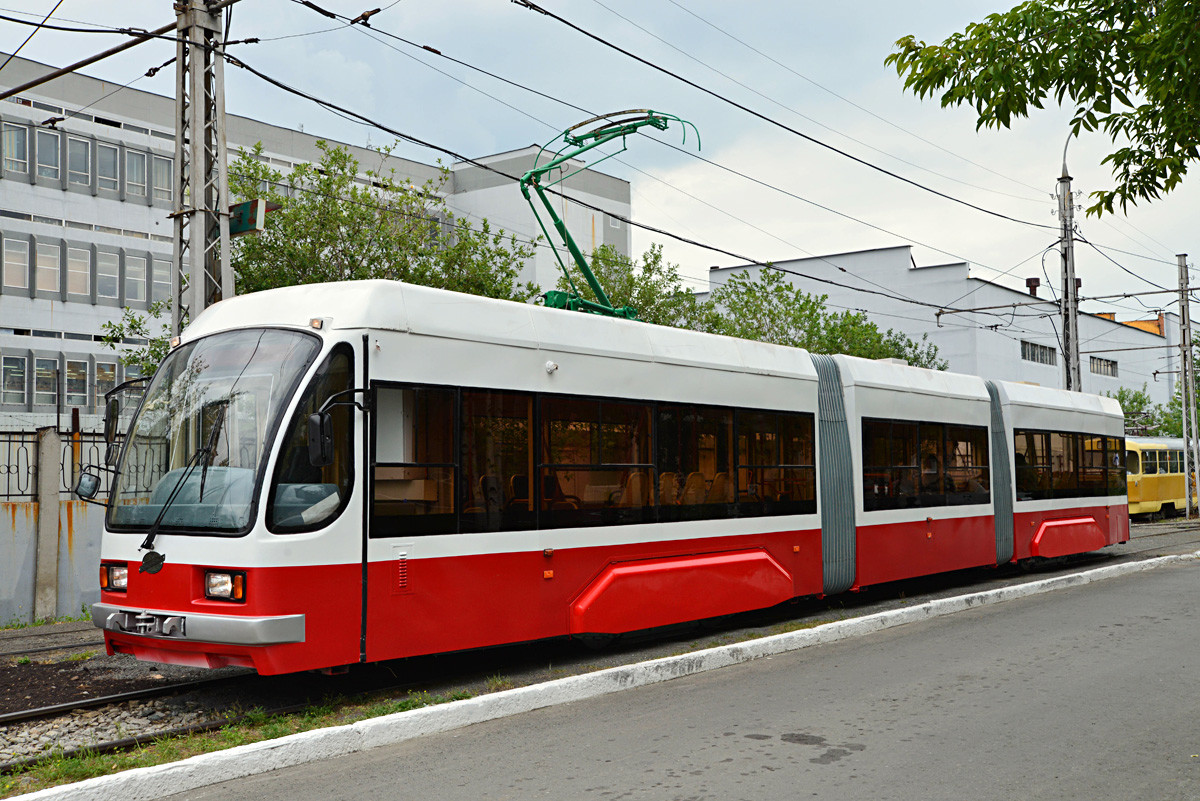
x,y
324,475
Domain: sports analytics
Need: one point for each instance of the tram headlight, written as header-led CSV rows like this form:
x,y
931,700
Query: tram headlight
x,y
114,578
225,585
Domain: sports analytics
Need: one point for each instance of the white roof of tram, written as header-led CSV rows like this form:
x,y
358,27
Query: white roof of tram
x,y
396,306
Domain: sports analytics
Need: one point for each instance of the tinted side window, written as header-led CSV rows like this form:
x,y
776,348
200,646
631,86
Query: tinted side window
x,y
304,497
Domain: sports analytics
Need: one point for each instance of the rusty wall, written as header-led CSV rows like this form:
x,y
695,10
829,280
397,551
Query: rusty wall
x,y
80,525
18,544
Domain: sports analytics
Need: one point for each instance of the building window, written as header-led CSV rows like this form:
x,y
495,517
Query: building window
x,y
79,161
108,272
1104,366
106,167
48,267
79,271
135,278
16,263
163,180
161,288
48,156
1033,352
14,379
45,382
16,148
106,379
135,174
77,383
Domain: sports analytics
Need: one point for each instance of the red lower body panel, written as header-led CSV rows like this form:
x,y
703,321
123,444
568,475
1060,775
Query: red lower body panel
x,y
905,550
453,603
1068,531
328,596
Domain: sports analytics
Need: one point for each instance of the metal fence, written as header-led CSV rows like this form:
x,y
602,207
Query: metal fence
x,y
79,451
18,465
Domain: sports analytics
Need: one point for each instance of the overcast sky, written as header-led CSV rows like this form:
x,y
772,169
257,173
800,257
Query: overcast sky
x,y
813,66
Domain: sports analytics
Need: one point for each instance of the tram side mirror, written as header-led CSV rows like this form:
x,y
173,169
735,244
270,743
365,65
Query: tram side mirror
x,y
112,410
112,452
88,486
320,439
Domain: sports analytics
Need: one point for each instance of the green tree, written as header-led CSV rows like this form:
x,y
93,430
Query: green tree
x,y
134,326
1170,418
768,307
652,286
1129,68
335,222
331,222
1143,417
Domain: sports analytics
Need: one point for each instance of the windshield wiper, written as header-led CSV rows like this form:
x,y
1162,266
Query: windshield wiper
x,y
210,447
153,561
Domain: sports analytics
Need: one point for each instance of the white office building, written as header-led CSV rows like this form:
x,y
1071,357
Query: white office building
x,y
86,178
1015,338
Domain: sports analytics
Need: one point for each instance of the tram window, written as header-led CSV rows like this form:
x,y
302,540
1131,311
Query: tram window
x,y
497,448
775,472
1176,462
1093,468
695,455
908,464
1064,463
413,490
1149,463
595,466
1031,453
967,467
1133,465
304,497
1114,448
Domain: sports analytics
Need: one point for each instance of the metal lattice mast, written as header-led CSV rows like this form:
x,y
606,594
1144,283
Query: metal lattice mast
x,y
201,275
1070,294
1187,386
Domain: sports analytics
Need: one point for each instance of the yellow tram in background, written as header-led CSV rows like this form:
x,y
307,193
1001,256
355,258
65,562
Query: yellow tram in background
x,y
1154,468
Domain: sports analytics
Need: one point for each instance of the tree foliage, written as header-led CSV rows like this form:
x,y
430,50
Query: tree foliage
x,y
336,222
1129,68
1143,417
768,307
653,287
134,326
765,307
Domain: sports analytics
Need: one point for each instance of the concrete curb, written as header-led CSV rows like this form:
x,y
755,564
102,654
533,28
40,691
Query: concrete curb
x,y
247,760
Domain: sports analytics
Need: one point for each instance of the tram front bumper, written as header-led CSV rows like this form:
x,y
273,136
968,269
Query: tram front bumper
x,y
200,628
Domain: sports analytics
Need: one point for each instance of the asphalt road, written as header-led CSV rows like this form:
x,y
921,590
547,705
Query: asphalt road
x,y
1086,693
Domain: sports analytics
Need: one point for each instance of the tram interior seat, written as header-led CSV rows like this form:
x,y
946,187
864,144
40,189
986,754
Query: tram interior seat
x,y
634,491
668,488
720,491
694,490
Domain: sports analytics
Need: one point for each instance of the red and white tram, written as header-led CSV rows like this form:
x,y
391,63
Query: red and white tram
x,y
330,474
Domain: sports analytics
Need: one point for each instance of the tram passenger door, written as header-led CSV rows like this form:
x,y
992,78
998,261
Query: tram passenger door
x,y
411,498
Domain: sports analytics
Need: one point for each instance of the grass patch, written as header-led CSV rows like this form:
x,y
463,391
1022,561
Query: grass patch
x,y
83,615
82,656
498,683
244,727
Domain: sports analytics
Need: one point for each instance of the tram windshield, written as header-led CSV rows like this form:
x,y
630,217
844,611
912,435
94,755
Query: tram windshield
x,y
202,434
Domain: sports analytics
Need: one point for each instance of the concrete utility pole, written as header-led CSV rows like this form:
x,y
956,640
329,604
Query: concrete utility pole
x,y
1187,386
1070,294
202,275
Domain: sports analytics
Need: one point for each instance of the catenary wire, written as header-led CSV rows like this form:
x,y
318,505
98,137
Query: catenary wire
x,y
807,137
